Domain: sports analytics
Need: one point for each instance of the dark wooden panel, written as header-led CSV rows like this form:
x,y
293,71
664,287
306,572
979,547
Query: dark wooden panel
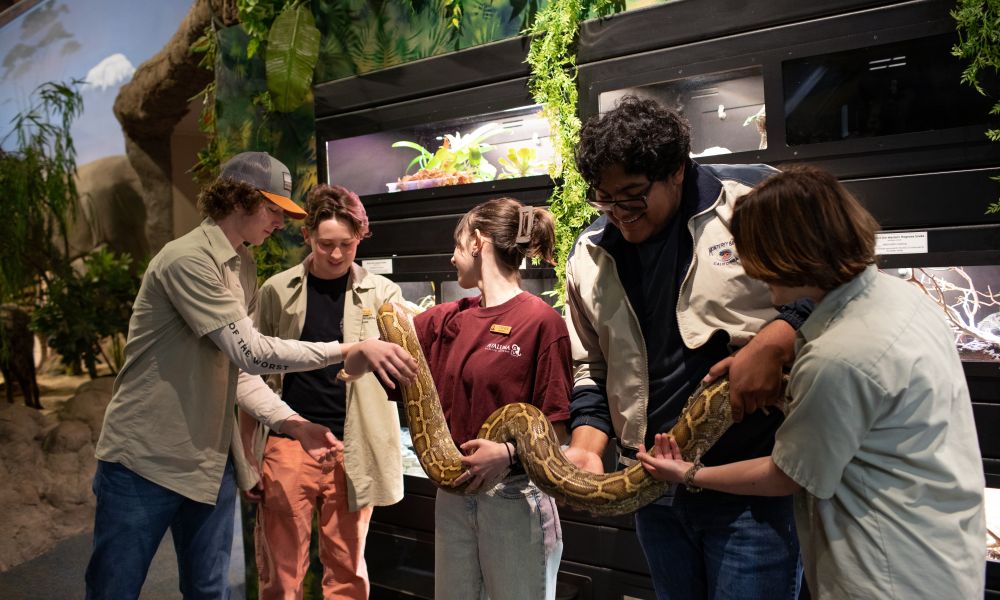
x,y
690,21
929,199
466,68
987,426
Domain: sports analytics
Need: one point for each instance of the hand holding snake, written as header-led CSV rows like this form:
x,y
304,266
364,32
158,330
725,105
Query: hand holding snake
x,y
704,419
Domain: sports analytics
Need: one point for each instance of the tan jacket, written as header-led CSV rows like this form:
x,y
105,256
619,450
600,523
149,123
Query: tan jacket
x,y
372,453
607,342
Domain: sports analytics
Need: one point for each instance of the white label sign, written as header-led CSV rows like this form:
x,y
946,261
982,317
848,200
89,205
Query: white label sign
x,y
378,266
903,242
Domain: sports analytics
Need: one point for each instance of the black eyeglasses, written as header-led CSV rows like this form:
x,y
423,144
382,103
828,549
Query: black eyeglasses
x,y
628,204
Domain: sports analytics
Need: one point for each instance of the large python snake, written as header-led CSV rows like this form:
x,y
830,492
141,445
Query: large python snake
x,y
706,416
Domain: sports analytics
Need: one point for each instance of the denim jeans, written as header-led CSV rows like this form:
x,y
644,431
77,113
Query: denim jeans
x,y
502,544
134,513
720,547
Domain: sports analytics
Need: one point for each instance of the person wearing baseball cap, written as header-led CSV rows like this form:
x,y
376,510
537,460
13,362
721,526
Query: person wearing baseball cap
x,y
169,454
266,173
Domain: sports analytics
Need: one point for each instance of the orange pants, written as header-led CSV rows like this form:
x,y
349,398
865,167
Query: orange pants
x,y
295,486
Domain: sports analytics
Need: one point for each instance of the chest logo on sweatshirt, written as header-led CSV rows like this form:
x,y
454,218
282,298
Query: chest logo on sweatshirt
x,y
512,349
724,254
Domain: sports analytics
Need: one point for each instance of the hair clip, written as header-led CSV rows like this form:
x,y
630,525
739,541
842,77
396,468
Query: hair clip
x,y
526,218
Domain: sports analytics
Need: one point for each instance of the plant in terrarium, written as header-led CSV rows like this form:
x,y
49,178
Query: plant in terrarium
x,y
521,162
459,159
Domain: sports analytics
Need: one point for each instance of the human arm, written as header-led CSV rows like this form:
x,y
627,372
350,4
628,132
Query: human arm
x,y
258,354
756,370
590,416
260,402
754,477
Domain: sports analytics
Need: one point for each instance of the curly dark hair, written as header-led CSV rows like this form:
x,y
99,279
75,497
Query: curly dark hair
x,y
640,135
224,196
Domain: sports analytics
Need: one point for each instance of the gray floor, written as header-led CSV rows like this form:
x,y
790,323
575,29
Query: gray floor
x,y
58,574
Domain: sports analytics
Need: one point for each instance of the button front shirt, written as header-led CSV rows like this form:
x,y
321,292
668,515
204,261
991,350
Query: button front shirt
x,y
172,414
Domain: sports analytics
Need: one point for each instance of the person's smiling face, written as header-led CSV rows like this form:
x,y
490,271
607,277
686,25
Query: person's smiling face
x,y
638,207
333,246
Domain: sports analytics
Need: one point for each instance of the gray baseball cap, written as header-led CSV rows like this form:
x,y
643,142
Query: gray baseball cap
x,y
267,174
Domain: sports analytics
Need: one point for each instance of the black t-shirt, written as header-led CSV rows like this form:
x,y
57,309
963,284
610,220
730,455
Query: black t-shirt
x,y
318,395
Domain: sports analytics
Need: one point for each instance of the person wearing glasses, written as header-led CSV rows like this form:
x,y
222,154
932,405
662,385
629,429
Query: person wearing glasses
x,y
657,302
326,297
879,446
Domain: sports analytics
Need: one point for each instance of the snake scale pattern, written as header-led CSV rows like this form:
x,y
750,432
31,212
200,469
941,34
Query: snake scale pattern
x,y
704,419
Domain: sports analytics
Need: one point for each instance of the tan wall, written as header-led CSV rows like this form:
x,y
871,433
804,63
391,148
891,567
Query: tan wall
x,y
185,143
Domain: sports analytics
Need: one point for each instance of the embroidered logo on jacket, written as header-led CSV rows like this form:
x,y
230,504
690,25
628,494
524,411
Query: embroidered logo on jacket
x,y
512,349
724,254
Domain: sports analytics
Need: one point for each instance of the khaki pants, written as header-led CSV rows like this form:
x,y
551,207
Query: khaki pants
x,y
294,487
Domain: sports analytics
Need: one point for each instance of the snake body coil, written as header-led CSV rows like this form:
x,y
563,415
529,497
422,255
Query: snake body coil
x,y
704,419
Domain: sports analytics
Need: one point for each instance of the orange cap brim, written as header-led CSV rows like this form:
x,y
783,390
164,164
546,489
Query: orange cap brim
x,y
291,209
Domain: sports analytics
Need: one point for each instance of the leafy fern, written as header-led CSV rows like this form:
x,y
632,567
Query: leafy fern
x,y
978,24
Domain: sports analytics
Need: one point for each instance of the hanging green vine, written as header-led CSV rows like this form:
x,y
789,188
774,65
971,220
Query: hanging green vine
x,y
552,58
978,26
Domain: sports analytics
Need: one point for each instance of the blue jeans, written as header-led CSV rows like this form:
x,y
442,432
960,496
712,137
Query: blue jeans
x,y
502,544
134,513
719,547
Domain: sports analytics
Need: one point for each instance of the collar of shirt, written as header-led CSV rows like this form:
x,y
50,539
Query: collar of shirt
x,y
221,250
832,304
359,281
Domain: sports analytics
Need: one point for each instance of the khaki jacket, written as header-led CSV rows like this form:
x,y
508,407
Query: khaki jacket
x,y
372,453
608,347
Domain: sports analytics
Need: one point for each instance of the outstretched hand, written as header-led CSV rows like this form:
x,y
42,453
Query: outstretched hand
x,y
664,461
388,361
485,463
317,440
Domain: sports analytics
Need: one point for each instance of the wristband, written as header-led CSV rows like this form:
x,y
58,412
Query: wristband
x,y
796,313
689,478
510,455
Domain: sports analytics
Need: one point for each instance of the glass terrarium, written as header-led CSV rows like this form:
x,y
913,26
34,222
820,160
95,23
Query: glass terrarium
x,y
903,87
969,298
725,110
507,144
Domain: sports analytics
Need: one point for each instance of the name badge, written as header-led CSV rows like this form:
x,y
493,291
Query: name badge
x,y
501,329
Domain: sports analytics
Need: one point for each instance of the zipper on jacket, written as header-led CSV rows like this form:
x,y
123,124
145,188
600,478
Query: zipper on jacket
x,y
644,383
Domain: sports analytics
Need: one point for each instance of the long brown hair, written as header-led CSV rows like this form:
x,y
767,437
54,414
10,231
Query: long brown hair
x,y
499,219
801,227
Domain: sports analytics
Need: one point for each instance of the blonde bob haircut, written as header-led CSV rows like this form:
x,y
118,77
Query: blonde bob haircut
x,y
801,227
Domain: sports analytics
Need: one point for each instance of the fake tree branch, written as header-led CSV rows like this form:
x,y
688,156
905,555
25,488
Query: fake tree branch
x,y
552,83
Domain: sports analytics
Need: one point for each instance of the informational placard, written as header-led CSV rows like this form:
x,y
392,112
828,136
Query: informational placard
x,y
901,242
378,266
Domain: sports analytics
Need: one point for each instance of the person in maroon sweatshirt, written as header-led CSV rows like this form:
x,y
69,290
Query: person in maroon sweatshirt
x,y
502,346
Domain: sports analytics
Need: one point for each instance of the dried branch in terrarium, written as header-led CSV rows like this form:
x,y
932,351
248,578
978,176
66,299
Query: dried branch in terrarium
x,y
961,304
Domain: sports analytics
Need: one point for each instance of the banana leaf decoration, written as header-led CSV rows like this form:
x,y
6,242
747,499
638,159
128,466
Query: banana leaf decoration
x,y
292,50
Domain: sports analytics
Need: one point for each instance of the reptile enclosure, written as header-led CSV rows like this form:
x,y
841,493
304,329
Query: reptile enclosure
x,y
867,90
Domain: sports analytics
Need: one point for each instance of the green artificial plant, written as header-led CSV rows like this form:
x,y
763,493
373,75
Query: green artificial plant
x,y
552,58
978,26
